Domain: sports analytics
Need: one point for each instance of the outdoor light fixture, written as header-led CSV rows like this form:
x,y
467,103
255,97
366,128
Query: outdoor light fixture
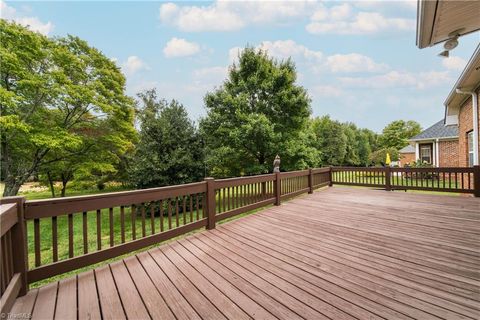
x,y
450,44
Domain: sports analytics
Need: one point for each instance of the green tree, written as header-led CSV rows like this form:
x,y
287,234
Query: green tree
x,y
60,99
170,149
378,157
396,134
331,140
257,113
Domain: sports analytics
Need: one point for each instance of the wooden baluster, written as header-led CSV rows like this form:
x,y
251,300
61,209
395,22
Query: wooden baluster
x,y
223,200
204,205
177,217
85,232
197,206
184,208
110,220
70,236
169,213
463,185
152,217
191,208
54,239
161,215
122,223
99,229
142,213
133,217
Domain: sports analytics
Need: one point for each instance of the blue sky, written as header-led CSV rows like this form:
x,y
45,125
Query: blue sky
x,y
358,60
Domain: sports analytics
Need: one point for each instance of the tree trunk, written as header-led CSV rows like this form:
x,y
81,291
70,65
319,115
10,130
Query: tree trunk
x,y
12,187
50,182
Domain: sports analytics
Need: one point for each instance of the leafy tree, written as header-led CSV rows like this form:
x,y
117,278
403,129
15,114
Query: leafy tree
x,y
257,113
330,140
396,134
61,100
170,149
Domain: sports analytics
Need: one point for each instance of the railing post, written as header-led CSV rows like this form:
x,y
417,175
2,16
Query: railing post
x,y
277,188
388,172
330,177
476,181
310,181
210,194
19,238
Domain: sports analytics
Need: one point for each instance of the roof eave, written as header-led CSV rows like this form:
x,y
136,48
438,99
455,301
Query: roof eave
x,y
466,71
433,138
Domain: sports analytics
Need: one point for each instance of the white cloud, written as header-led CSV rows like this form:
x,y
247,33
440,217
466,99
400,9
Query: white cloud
x,y
282,49
210,75
353,62
398,79
232,15
133,65
454,63
326,91
180,48
343,22
33,23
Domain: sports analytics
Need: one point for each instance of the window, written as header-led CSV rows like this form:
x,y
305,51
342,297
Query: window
x,y
426,153
470,148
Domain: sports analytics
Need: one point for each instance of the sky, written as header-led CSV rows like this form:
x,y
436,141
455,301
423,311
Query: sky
x,y
357,59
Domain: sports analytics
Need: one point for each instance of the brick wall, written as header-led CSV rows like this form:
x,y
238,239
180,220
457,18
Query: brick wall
x,y
465,124
448,153
407,158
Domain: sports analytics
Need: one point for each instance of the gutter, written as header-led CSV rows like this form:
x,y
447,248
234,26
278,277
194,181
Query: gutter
x,y
475,122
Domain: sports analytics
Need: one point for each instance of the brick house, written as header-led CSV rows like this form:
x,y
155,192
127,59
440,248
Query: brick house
x,y
440,21
436,145
461,108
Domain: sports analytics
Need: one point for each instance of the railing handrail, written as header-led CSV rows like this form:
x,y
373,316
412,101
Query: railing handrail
x,y
61,206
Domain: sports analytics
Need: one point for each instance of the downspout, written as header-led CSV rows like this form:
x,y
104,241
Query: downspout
x,y
475,122
437,153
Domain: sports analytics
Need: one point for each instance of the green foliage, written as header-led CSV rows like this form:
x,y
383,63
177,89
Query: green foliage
x,y
378,157
170,150
257,113
63,108
342,143
396,134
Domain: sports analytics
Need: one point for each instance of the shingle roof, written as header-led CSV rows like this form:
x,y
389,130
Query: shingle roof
x,y
408,149
438,130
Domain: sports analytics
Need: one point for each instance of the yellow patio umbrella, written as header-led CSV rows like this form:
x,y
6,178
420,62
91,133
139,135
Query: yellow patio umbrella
x,y
387,160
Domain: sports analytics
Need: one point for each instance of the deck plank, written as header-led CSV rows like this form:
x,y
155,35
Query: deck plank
x,y
88,304
154,302
340,253
110,302
131,301
45,302
67,299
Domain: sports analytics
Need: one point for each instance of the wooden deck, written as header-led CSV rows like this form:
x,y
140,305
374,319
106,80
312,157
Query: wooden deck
x,y
340,253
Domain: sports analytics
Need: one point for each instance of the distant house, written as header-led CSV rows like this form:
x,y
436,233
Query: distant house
x,y
436,145
406,155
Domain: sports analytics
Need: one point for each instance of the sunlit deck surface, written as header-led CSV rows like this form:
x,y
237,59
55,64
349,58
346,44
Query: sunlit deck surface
x,y
339,253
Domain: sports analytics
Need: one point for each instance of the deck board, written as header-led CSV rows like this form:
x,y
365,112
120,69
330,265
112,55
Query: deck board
x,y
340,253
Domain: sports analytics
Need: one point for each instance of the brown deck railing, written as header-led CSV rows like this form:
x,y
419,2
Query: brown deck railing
x,y
84,230
458,180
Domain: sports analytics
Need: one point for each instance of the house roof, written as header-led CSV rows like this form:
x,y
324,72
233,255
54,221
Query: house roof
x,y
438,19
437,131
407,149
